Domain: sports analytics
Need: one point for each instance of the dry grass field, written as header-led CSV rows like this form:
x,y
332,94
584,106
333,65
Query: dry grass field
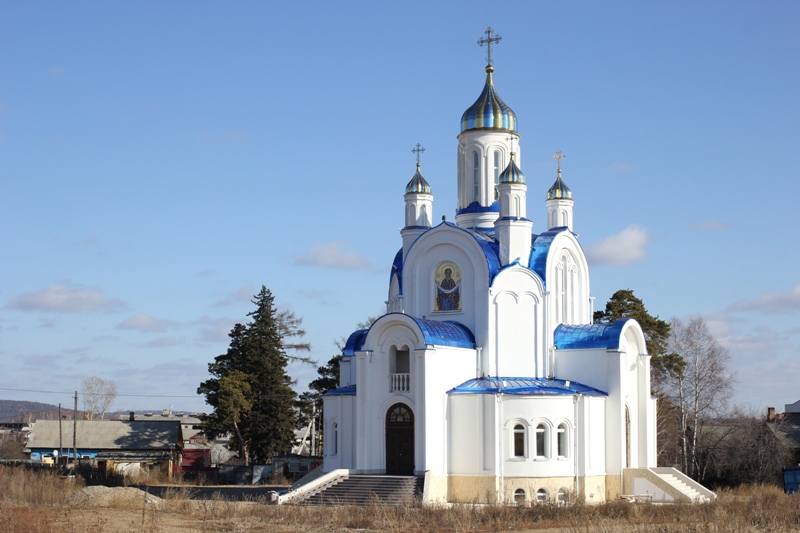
x,y
43,502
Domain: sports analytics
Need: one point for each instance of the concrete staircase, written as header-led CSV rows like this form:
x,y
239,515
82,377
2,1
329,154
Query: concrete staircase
x,y
664,485
365,490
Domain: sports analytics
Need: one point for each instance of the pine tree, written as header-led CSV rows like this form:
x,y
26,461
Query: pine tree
x,y
250,389
623,304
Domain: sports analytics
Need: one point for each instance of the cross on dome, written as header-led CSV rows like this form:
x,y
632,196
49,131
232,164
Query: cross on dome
x,y
558,157
418,150
488,42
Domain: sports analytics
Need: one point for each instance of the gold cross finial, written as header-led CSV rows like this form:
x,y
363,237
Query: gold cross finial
x,y
488,42
418,150
558,157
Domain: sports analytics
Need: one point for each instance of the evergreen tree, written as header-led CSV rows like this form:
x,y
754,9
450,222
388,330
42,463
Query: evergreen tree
x,y
310,402
623,304
250,389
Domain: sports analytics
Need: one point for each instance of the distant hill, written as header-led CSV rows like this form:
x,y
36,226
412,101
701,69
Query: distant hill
x,y
14,410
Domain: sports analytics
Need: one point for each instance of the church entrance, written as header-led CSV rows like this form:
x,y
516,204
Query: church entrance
x,y
399,441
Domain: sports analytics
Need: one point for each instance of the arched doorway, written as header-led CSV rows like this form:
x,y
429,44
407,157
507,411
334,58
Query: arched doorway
x,y
399,441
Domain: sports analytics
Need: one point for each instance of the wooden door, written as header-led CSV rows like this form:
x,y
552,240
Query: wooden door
x,y
399,441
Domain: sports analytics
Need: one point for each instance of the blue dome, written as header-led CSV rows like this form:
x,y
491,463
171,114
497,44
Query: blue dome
x,y
512,173
559,190
418,185
489,112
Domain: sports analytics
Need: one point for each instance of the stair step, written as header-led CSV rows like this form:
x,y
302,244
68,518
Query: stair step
x,y
363,490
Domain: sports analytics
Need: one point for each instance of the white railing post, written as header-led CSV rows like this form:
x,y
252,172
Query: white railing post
x,y
400,382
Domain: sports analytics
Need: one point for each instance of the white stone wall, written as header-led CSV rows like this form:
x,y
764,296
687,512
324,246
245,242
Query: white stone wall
x,y
516,326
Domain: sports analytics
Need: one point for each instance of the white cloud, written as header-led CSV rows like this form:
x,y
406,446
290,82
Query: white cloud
x,y
712,225
622,249
772,303
333,255
147,323
245,294
161,342
66,298
215,329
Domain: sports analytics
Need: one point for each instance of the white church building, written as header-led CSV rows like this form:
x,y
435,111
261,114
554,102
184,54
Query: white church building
x,y
486,374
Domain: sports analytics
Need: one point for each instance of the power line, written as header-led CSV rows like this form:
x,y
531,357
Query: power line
x,y
70,393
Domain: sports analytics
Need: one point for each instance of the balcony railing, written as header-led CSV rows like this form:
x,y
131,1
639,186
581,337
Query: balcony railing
x,y
401,382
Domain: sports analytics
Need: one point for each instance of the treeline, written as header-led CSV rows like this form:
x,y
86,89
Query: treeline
x,y
15,411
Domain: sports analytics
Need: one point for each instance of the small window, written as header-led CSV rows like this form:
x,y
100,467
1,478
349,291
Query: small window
x,y
335,439
519,496
541,441
563,496
541,496
519,440
563,441
496,166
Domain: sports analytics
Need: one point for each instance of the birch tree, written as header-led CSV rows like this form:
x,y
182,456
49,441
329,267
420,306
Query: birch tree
x,y
98,395
700,389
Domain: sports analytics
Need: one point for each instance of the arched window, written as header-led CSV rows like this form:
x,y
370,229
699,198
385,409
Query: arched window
x,y
563,496
335,439
519,440
562,440
541,441
519,496
541,496
496,166
476,177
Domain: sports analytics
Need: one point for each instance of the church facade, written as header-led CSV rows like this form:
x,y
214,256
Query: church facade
x,y
486,374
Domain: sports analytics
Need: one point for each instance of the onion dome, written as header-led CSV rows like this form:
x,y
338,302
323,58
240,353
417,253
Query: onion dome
x,y
512,173
489,112
418,185
559,190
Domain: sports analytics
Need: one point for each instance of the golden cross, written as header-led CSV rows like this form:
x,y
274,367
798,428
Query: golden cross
x,y
488,42
558,157
418,150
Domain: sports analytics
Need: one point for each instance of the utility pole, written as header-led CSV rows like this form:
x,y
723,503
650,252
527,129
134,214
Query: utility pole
x,y
74,436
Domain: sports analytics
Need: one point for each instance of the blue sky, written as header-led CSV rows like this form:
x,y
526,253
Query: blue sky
x,y
160,161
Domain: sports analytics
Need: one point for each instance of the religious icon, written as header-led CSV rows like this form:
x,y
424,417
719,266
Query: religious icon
x,y
448,287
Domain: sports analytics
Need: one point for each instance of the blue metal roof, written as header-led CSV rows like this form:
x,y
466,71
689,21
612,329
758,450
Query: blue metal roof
x,y
354,342
348,390
446,333
476,207
525,387
397,270
435,332
589,335
540,249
